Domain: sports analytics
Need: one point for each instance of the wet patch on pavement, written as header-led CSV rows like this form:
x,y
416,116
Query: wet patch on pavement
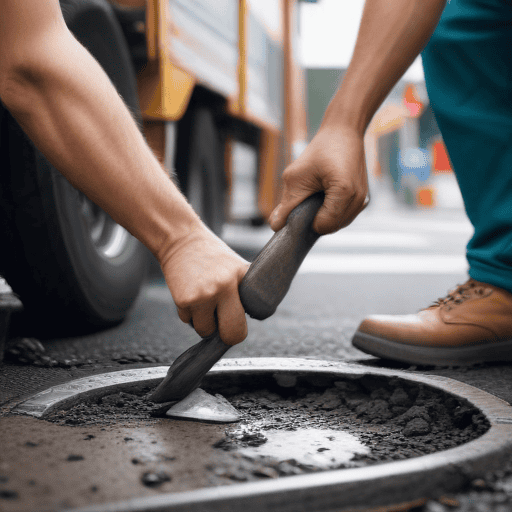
x,y
292,424
375,420
45,466
384,419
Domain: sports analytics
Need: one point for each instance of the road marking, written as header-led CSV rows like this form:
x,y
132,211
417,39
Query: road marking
x,y
415,225
383,264
360,238
374,239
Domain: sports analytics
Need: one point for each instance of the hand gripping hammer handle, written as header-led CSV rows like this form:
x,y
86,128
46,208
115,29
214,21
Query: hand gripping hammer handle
x,y
261,290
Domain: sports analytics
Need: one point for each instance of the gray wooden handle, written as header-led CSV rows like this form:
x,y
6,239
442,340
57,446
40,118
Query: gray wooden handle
x,y
270,275
261,290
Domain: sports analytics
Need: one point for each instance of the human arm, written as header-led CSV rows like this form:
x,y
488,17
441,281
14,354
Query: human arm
x,y
391,36
68,107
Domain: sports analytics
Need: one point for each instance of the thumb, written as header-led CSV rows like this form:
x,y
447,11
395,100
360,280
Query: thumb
x,y
330,216
279,216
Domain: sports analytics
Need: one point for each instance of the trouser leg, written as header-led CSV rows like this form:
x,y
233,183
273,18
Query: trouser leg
x,y
468,71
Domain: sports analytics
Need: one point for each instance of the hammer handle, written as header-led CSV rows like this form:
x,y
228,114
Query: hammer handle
x,y
262,289
270,275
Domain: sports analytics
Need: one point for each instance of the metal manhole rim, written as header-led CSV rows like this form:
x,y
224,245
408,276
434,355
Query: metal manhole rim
x,y
474,456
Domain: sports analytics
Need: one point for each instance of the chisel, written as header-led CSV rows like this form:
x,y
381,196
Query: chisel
x,y
261,290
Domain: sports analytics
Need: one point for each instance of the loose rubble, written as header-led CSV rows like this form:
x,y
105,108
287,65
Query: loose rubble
x,y
396,422
155,479
394,418
120,408
30,351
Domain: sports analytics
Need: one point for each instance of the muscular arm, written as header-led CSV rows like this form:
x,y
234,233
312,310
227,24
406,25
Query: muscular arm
x,y
66,104
68,107
391,35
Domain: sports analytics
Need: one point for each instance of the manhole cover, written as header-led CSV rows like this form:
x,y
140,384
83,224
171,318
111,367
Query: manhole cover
x,y
332,435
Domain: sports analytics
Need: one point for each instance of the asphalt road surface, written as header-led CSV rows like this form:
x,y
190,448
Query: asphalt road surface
x,y
387,261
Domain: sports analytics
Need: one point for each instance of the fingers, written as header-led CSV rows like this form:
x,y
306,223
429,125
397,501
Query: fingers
x,y
232,321
293,195
185,315
229,315
280,214
339,209
331,213
203,275
334,162
202,319
221,310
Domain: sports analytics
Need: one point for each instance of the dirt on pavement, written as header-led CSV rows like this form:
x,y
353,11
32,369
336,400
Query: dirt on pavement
x,y
67,460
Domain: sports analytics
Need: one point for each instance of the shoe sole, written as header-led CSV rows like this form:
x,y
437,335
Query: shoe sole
x,y
420,355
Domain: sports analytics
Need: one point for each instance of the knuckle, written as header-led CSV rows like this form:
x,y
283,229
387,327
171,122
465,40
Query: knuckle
x,y
181,304
190,302
352,192
348,190
288,174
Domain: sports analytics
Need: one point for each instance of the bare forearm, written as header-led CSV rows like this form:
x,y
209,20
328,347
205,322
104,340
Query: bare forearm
x,y
391,36
68,107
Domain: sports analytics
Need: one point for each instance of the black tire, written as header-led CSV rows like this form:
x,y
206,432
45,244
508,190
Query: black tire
x,y
74,268
199,166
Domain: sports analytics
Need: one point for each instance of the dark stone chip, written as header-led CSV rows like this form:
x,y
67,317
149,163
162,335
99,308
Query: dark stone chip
x,y
416,427
74,458
266,472
155,479
225,444
462,416
8,495
238,476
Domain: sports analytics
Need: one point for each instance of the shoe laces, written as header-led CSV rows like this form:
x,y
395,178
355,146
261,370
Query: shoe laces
x,y
460,294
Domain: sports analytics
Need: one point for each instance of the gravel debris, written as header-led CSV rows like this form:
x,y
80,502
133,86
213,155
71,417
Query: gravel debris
x,y
30,351
395,419
155,479
74,458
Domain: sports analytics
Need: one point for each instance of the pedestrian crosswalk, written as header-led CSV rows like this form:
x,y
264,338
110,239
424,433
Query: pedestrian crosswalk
x,y
383,263
392,242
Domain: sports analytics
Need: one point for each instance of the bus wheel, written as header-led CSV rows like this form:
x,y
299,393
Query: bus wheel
x,y
200,168
74,268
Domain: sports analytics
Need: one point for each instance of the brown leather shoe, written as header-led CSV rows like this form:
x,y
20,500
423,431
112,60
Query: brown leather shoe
x,y
472,324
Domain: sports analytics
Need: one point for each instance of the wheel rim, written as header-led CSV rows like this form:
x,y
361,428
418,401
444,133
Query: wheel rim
x,y
108,238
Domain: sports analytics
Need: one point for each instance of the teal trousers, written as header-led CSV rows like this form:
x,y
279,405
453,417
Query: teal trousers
x,y
468,72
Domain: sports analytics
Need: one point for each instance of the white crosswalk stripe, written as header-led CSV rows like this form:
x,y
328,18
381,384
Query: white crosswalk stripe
x,y
381,243
383,263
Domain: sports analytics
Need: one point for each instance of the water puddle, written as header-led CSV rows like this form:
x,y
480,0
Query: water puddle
x,y
321,447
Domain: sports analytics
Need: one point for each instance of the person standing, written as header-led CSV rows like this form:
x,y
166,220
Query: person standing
x,y
467,56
